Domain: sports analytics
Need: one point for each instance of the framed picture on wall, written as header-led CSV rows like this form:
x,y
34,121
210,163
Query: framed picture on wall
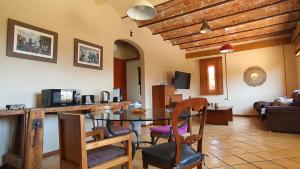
x,y
30,42
88,55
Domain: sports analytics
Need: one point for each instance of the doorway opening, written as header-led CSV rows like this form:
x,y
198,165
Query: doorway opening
x,y
128,70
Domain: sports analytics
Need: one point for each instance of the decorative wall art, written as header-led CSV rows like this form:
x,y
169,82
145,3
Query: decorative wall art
x,y
29,42
255,76
88,55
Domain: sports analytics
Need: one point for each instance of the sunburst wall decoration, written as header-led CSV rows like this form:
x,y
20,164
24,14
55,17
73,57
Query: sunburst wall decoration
x,y
255,76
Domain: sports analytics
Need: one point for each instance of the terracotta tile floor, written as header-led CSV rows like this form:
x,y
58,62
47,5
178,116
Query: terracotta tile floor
x,y
243,144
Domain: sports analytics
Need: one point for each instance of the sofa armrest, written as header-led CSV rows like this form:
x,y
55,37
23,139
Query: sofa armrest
x,y
283,109
261,104
283,118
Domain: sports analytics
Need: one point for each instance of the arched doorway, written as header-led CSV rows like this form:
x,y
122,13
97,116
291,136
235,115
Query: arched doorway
x,y
129,70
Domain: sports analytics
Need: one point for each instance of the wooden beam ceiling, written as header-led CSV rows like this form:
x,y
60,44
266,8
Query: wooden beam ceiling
x,y
183,12
180,21
247,34
285,18
212,15
242,47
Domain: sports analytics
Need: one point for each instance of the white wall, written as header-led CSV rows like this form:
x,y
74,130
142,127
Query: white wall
x,y
22,80
133,88
242,96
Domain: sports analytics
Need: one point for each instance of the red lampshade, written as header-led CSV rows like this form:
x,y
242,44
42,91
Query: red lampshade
x,y
227,48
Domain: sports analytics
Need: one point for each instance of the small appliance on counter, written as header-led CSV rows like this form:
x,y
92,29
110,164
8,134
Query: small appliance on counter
x,y
15,106
105,96
60,97
117,97
88,99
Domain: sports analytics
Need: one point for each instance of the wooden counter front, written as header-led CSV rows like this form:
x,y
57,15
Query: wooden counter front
x,y
31,157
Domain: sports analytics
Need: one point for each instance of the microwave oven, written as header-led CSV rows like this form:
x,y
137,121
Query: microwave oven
x,y
60,97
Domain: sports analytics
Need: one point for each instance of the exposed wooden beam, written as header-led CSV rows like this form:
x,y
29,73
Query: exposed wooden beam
x,y
196,33
241,39
216,18
186,13
241,31
257,32
242,47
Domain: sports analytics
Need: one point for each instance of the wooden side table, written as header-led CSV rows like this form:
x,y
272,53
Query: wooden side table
x,y
219,116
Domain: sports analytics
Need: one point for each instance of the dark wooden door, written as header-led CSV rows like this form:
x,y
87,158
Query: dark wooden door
x,y
120,76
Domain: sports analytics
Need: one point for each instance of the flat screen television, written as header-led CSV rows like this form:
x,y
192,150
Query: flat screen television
x,y
182,80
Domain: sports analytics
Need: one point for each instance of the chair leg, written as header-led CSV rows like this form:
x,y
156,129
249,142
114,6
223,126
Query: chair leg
x,y
145,165
152,140
128,165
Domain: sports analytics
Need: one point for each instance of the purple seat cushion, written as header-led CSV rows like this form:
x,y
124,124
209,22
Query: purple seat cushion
x,y
166,129
118,130
103,154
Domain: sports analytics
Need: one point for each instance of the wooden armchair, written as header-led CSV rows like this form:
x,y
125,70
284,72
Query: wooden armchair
x,y
179,154
77,153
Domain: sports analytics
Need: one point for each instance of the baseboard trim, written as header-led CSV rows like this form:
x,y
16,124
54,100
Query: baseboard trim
x,y
49,154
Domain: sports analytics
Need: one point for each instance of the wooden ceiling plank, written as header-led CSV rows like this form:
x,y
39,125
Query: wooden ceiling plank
x,y
251,38
241,39
242,47
225,22
284,26
238,24
291,19
216,18
183,14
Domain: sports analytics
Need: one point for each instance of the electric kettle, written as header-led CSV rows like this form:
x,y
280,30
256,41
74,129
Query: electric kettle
x,y
105,96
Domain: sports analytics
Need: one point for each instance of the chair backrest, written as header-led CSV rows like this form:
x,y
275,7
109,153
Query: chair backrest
x,y
195,104
72,141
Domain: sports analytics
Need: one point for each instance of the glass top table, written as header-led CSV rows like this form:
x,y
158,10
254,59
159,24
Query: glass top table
x,y
135,119
131,115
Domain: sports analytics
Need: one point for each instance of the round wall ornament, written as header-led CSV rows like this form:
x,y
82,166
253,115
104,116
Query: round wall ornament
x,y
255,76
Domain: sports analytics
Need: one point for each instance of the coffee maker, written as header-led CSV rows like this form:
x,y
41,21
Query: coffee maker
x,y
105,96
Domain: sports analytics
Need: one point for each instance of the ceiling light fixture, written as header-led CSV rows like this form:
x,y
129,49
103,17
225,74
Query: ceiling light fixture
x,y
205,28
142,10
227,48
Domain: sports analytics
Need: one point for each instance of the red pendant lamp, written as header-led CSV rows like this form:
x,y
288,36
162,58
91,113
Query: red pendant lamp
x,y
227,48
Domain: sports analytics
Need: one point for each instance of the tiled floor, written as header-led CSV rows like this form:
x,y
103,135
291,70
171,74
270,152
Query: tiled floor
x,y
244,144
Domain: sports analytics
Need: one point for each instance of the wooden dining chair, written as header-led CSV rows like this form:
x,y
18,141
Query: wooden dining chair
x,y
77,152
165,131
179,154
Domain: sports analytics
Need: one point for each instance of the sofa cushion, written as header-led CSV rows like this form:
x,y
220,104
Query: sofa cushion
x,y
296,97
282,101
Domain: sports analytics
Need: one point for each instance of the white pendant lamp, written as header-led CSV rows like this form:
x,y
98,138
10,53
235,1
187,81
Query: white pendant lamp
x,y
142,10
205,28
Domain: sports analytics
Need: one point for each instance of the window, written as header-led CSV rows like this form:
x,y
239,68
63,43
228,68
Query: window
x,y
211,76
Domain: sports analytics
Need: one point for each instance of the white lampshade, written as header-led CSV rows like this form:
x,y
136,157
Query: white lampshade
x,y
142,10
205,28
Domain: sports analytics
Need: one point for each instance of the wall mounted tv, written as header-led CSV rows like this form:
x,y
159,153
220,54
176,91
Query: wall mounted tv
x,y
182,80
